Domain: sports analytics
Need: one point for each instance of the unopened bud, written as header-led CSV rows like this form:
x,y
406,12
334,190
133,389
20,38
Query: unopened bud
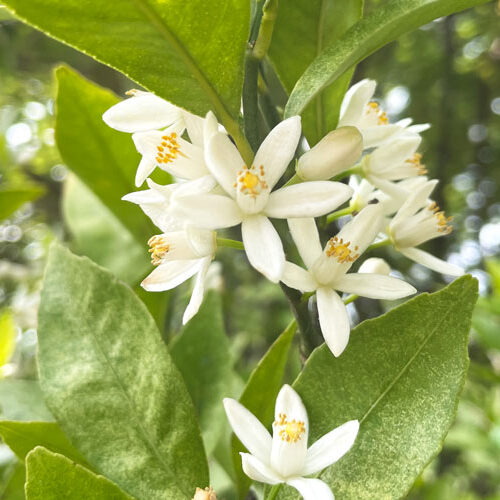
x,y
336,152
376,266
206,494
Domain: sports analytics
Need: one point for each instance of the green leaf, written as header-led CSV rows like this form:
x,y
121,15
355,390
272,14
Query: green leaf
x,y
12,199
22,400
201,352
486,321
104,159
400,376
316,23
98,234
493,268
50,476
190,53
383,25
22,437
260,395
7,336
109,381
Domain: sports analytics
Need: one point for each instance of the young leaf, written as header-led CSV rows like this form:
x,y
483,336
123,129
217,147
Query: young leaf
x,y
401,377
22,437
190,53
98,234
383,25
109,381
22,400
14,198
53,476
201,352
104,159
260,395
316,23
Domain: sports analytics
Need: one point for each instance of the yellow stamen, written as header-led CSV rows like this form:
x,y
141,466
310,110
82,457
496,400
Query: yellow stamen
x,y
382,115
251,181
169,149
341,251
292,430
443,223
159,248
415,161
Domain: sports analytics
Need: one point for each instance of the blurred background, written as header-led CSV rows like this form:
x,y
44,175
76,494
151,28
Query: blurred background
x,y
446,73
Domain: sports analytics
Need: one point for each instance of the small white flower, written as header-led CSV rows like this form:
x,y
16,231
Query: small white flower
x,y
327,272
285,457
251,202
375,265
359,110
145,114
179,255
417,221
336,152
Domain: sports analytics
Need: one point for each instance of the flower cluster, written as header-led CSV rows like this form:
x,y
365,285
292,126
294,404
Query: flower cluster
x,y
386,201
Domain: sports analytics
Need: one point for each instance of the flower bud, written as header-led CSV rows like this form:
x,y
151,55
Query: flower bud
x,y
336,152
376,266
206,494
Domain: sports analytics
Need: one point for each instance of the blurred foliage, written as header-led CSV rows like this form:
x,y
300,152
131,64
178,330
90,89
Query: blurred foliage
x,y
446,73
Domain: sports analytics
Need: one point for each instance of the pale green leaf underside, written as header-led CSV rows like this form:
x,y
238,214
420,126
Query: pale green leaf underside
x,y
22,400
190,53
109,381
51,476
383,25
400,376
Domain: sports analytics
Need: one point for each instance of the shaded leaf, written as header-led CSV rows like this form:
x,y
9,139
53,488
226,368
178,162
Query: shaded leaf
x,y
111,384
22,400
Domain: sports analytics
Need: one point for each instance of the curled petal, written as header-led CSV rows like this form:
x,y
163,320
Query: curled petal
x,y
428,260
258,471
198,291
311,489
171,274
354,102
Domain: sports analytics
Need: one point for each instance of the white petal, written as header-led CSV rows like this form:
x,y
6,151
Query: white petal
x,y
224,161
198,291
170,274
354,102
194,126
210,127
288,455
306,237
298,278
374,286
375,265
263,246
256,470
333,319
146,196
210,211
416,200
144,111
202,185
248,429
375,136
331,447
428,260
278,149
307,199
311,489
394,153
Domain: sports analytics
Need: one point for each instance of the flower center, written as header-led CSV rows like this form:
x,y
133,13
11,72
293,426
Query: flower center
x,y
415,162
251,180
292,430
442,222
169,149
373,107
158,249
341,251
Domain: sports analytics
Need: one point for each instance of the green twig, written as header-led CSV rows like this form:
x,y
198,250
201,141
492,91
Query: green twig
x,y
226,242
340,213
356,170
379,244
350,298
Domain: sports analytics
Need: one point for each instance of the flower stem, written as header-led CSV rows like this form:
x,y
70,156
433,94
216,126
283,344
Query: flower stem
x,y
350,298
294,180
274,491
226,242
347,173
339,213
379,244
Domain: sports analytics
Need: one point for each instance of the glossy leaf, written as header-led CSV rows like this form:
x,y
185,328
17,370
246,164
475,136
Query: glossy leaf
x,y
14,198
52,476
98,234
382,26
260,395
109,381
315,23
400,376
22,437
201,352
104,159
22,400
190,53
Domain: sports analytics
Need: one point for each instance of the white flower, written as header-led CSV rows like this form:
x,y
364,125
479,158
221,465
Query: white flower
x,y
251,202
359,110
145,114
375,265
336,152
284,457
180,255
327,272
417,221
